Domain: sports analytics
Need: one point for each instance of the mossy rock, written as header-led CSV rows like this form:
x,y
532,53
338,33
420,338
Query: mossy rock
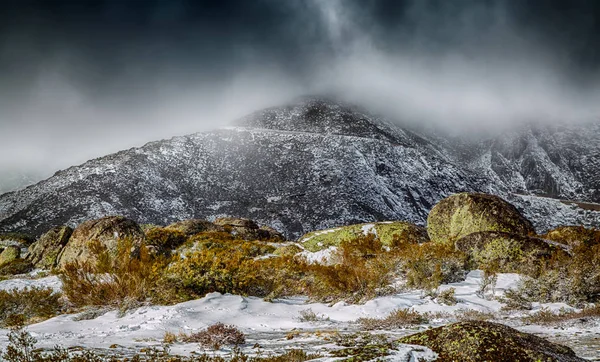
x,y
508,253
44,253
476,341
193,226
574,236
462,214
108,231
165,238
9,254
248,229
15,267
388,232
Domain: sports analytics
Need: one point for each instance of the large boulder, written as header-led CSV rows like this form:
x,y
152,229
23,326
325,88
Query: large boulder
x,y
247,229
9,254
508,253
388,232
574,236
466,213
476,341
44,253
107,230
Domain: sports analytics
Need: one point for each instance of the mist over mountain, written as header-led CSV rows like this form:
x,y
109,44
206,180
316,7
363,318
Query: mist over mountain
x,y
317,163
85,79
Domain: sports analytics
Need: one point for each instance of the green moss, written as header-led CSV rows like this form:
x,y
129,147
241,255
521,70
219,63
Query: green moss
x,y
387,232
466,213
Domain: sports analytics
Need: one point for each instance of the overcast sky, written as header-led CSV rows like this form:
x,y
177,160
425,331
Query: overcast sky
x,y
81,78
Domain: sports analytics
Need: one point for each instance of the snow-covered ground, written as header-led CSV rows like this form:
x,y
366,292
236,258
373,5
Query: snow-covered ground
x,y
268,323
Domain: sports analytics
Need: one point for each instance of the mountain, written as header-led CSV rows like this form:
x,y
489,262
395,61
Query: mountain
x,y
309,165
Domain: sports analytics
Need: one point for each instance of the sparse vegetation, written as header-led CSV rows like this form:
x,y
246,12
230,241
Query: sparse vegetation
x,y
119,280
399,318
24,306
217,335
547,317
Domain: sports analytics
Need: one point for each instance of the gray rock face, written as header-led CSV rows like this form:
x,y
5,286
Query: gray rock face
x,y
311,165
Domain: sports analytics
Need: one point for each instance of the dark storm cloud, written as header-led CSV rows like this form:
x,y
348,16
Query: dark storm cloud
x,y
80,79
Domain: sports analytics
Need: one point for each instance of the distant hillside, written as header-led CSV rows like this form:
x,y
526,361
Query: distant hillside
x,y
311,165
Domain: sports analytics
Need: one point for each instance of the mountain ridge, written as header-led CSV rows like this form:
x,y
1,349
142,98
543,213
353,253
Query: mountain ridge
x,y
297,179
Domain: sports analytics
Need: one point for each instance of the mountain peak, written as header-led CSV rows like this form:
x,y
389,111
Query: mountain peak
x,y
323,115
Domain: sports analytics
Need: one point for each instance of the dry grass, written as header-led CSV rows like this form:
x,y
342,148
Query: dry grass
x,y
399,318
23,306
120,280
547,317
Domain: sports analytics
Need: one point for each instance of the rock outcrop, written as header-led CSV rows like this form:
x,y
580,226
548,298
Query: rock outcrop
x,y
476,341
107,231
465,213
44,253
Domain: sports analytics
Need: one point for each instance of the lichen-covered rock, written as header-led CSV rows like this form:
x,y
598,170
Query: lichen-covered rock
x,y
247,229
574,236
44,253
15,267
194,226
9,254
165,238
476,341
466,213
387,232
507,253
107,230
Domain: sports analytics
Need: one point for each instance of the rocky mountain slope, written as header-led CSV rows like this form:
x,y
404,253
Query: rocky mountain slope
x,y
312,165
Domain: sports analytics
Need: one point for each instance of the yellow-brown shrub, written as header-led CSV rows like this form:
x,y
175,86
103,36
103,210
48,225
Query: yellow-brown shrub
x,y
116,279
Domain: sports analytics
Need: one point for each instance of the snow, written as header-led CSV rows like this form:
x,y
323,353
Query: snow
x,y
52,282
255,317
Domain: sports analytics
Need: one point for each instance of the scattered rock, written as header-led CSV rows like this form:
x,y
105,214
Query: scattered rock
x,y
475,341
107,230
387,232
462,214
574,236
9,254
44,253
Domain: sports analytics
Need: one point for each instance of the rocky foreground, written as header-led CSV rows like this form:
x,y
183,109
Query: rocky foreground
x,y
470,286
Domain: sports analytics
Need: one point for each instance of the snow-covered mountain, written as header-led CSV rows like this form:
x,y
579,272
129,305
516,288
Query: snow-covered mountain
x,y
309,165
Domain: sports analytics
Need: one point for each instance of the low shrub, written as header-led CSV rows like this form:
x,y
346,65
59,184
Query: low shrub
x,y
447,297
547,317
463,315
399,318
217,335
363,270
571,279
119,280
24,306
428,265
